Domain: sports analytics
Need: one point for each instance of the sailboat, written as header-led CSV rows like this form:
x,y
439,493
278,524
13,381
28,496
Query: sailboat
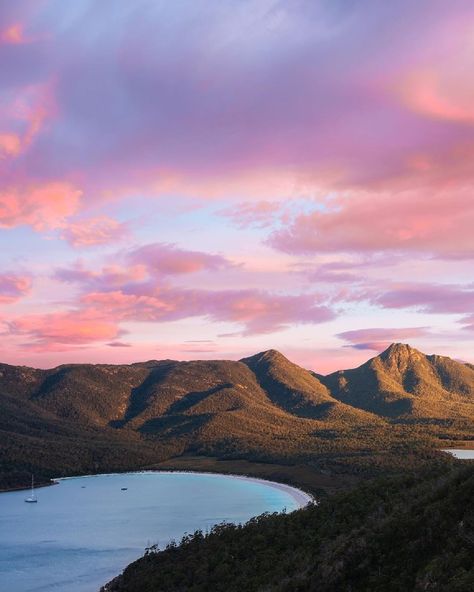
x,y
31,499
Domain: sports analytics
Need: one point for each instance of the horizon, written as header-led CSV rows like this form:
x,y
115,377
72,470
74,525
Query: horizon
x,y
248,355
192,179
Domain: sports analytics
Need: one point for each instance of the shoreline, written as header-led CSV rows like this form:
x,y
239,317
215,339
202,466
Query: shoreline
x,y
23,488
302,498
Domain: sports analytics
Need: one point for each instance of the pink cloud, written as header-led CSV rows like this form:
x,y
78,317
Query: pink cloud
x,y
10,145
23,115
43,206
13,287
229,114
438,86
12,35
433,93
65,329
439,223
430,298
100,314
141,267
379,339
135,307
95,231
108,277
335,272
258,312
166,259
334,102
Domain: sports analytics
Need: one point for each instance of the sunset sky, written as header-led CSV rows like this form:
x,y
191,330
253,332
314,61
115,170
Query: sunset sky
x,y
209,179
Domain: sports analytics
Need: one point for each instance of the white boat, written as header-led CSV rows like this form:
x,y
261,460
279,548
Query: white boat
x,y
31,499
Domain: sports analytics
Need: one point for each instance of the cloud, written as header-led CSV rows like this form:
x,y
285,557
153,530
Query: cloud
x,y
13,287
337,123
429,298
262,312
166,259
43,206
115,295
137,268
10,145
299,95
109,276
409,221
12,35
65,329
256,311
337,272
440,89
468,322
247,214
24,112
378,339
118,344
92,232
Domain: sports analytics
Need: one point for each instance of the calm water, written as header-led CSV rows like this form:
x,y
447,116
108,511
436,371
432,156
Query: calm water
x,y
461,453
85,530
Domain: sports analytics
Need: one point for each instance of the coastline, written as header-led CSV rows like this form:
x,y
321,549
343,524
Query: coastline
x,y
302,498
26,488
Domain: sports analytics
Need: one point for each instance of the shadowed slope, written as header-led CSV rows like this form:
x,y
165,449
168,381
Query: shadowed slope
x,y
298,391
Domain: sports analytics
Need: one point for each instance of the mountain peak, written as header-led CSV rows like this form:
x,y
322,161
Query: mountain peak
x,y
270,355
400,351
404,382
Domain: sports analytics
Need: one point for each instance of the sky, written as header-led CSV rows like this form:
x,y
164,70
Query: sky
x,y
209,179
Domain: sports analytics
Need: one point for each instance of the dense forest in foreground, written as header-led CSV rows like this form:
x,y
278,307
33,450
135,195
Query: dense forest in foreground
x,y
398,534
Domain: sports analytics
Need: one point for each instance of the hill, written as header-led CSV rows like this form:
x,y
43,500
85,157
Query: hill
x,y
298,391
88,418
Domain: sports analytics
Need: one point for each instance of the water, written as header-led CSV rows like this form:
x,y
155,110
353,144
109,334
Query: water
x,y
461,453
85,530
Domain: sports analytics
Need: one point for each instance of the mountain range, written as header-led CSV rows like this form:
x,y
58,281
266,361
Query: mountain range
x,y
84,417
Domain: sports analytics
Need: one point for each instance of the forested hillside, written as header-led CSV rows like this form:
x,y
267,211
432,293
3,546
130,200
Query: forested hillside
x,y
405,534
387,414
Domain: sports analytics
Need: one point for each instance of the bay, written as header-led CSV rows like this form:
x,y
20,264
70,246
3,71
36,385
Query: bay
x,y
85,530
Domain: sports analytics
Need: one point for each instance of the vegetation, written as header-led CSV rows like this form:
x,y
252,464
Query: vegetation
x,y
408,528
405,383
387,415
393,535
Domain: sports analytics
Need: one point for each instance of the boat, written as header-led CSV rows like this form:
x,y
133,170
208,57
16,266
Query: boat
x,y
124,488
31,499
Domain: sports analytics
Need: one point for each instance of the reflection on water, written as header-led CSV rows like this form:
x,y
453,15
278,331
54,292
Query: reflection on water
x,y
85,530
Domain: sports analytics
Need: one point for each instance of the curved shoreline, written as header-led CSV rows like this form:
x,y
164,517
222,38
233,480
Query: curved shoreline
x,y
301,497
